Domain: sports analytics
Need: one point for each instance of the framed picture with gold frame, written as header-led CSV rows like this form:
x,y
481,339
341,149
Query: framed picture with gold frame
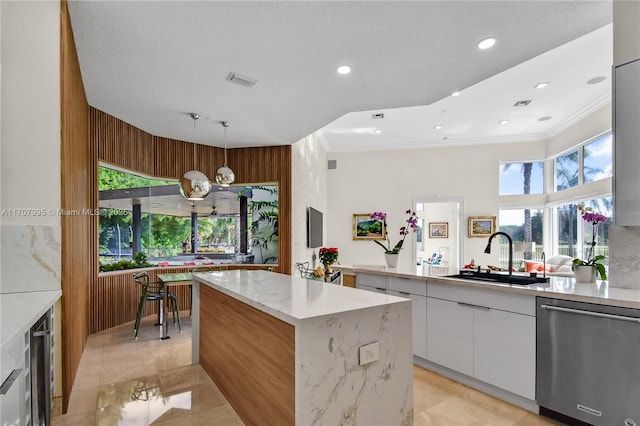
x,y
481,226
365,228
438,229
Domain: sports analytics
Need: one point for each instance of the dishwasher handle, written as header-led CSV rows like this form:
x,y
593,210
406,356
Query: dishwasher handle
x,y
591,314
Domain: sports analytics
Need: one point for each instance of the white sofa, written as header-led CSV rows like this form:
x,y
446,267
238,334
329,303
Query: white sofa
x,y
558,265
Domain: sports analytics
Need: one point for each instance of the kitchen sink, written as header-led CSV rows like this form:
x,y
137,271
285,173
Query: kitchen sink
x,y
494,277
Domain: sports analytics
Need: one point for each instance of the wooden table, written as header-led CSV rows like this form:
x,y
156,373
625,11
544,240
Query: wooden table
x,y
168,280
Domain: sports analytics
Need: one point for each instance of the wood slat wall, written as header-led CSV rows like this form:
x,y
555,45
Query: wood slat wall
x,y
250,356
115,295
78,191
123,145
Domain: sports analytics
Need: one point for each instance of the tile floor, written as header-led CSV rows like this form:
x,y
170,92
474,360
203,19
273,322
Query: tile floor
x,y
122,381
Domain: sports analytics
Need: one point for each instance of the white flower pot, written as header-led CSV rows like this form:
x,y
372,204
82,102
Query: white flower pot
x,y
392,259
585,274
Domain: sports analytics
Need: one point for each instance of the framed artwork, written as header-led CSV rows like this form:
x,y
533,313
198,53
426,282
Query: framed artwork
x,y
438,229
365,228
481,226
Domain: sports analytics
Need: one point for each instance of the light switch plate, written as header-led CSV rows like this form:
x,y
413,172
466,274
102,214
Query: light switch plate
x,y
369,353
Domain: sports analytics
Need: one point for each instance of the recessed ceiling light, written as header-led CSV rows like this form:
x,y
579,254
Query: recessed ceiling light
x,y
377,131
545,118
344,69
437,126
487,43
503,121
541,85
455,93
596,80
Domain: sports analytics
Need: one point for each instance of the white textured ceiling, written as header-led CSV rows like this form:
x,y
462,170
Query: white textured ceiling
x,y
151,63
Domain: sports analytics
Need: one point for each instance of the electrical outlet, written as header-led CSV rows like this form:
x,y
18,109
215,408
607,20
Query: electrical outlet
x,y
369,353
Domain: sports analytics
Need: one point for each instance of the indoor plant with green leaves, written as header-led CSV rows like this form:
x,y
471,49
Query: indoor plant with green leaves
x,y
391,253
593,262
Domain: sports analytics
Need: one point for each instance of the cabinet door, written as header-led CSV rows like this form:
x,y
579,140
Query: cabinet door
x,y
626,133
12,403
450,335
418,321
505,350
374,289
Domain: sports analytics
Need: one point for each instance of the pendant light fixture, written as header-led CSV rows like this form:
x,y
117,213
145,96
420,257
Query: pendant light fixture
x,y
225,176
194,185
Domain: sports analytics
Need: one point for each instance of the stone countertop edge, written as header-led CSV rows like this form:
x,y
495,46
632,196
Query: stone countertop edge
x,y
21,310
292,299
558,288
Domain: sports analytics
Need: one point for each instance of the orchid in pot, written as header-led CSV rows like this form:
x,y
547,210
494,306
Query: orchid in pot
x,y
592,261
392,252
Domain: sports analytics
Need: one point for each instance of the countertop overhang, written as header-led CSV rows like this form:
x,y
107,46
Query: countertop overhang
x,y
289,298
558,287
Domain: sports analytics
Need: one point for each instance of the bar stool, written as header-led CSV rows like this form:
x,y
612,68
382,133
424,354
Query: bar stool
x,y
153,291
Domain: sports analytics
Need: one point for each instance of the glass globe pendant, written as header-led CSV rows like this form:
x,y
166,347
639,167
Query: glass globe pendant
x,y
195,185
224,175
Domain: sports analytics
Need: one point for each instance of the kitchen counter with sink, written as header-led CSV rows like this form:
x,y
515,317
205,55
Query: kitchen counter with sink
x,y
565,288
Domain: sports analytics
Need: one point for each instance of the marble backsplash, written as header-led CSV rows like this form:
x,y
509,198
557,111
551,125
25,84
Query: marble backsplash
x,y
30,258
624,256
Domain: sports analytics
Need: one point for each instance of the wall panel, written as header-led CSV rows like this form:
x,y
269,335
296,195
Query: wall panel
x,y
248,352
123,145
78,191
116,295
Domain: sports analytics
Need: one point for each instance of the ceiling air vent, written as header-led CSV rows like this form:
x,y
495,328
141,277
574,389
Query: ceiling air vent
x,y
377,116
241,79
522,103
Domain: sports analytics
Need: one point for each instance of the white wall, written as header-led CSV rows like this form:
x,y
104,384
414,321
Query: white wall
x,y
30,110
390,181
309,189
30,146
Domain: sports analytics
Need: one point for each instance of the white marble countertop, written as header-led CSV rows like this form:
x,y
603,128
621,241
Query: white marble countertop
x,y
558,287
21,310
289,298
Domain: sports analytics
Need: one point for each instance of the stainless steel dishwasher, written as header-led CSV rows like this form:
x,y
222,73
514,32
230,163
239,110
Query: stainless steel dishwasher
x,y
588,361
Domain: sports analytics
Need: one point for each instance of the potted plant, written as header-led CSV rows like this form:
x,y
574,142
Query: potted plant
x,y
586,270
328,256
391,253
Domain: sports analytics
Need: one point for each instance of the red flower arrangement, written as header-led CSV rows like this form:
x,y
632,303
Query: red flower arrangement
x,y
328,255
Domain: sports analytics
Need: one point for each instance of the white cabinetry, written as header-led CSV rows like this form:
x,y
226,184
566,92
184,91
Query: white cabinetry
x,y
416,291
626,133
484,334
450,335
15,381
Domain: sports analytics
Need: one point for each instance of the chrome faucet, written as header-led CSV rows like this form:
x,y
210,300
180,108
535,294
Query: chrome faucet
x,y
488,248
544,265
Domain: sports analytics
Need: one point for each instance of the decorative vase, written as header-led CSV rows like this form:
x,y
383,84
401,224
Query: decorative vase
x,y
327,268
391,259
585,274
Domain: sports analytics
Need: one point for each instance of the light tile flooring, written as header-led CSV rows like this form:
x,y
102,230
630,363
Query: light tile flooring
x,y
122,381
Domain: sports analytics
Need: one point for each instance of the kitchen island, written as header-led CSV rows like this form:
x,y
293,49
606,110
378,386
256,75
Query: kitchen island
x,y
285,350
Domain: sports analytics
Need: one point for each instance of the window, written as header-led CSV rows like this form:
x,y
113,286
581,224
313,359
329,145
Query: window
x,y
589,163
597,159
567,167
526,228
521,178
238,224
575,235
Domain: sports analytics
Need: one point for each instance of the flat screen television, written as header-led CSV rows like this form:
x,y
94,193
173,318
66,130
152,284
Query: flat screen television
x,y
314,228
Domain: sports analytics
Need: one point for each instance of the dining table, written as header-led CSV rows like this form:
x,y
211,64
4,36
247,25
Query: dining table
x,y
169,280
